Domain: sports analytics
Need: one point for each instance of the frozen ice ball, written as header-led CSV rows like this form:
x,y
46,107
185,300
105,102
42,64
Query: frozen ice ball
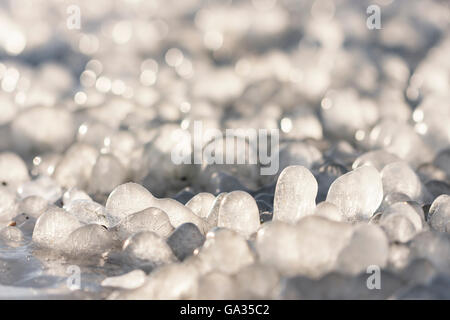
x,y
43,129
377,158
89,240
131,280
295,194
311,247
150,219
148,249
44,187
185,239
328,210
107,174
74,169
239,212
357,193
226,251
53,227
8,205
11,236
439,214
13,170
257,281
128,198
217,286
399,177
368,246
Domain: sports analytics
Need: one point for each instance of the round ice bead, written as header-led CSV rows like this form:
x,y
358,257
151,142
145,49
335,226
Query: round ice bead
x,y
74,169
429,171
295,194
257,281
398,177
148,249
328,210
303,123
44,187
239,212
43,129
439,214
8,205
94,133
217,286
45,164
201,204
398,256
368,246
185,239
89,240
33,206
75,194
107,174
122,144
53,227
311,247
11,236
401,222
131,280
88,212
377,158
414,214
400,139
13,170
357,193
173,281
128,198
150,219
225,251
343,114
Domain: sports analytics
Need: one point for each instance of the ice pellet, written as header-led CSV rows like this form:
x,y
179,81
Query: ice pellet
x,y
131,280
295,194
13,170
368,246
439,214
225,251
150,219
53,227
147,249
239,212
357,193
89,240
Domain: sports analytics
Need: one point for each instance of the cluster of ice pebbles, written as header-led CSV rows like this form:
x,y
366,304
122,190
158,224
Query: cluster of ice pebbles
x,y
89,118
